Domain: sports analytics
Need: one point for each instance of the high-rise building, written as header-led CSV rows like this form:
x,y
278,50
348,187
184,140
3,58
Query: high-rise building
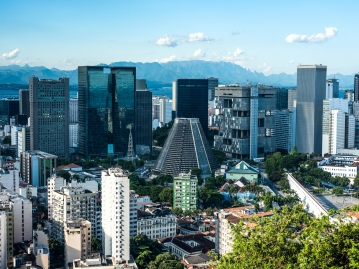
x,y
349,95
143,120
212,85
37,166
284,130
292,98
332,88
72,202
73,134
311,89
245,116
77,240
191,98
282,98
186,147
24,102
106,107
356,87
338,126
185,192
6,236
9,107
49,116
73,111
116,214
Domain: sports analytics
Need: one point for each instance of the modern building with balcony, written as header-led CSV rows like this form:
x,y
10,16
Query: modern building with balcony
x,y
245,118
185,192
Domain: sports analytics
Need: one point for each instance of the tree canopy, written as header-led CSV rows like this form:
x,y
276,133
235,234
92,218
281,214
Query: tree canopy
x,y
293,238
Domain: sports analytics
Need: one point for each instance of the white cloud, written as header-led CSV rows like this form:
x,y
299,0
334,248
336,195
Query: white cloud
x,y
291,62
235,33
169,59
11,55
69,61
330,32
166,41
199,37
197,55
264,68
237,57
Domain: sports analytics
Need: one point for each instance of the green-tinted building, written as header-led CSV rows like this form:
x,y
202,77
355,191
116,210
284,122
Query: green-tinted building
x,y
244,170
185,192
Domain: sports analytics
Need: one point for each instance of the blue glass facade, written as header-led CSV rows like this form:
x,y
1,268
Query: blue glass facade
x,y
106,104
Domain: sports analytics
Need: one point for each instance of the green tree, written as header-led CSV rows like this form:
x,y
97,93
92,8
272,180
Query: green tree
x,y
220,156
166,195
57,250
7,140
64,174
165,261
232,190
177,211
141,243
76,177
338,191
274,166
356,180
96,244
281,241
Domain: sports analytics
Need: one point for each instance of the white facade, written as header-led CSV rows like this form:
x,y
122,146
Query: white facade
x,y
73,111
54,183
41,248
10,180
155,227
23,140
337,131
28,191
341,171
115,214
72,203
3,241
162,109
14,134
329,90
73,134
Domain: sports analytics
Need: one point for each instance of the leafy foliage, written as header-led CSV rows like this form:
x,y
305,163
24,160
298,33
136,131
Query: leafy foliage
x,y
7,140
144,250
160,134
165,261
292,238
220,156
64,174
57,251
96,244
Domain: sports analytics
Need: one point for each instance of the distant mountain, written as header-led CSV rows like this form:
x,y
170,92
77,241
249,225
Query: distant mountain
x,y
162,74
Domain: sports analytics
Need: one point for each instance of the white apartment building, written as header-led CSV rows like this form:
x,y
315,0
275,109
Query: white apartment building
x,y
73,134
156,226
23,140
162,109
133,213
341,171
10,179
73,110
116,214
72,203
3,240
338,126
22,214
77,240
41,247
54,183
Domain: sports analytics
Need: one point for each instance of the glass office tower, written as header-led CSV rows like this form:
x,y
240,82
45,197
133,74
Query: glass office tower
x,y
106,109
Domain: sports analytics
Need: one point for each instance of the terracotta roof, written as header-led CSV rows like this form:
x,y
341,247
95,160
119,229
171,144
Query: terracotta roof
x,y
236,209
232,219
354,214
69,166
260,215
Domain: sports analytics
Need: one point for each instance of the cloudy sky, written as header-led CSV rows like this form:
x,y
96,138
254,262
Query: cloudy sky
x,y
264,36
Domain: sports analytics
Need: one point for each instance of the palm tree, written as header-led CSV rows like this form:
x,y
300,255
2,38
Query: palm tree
x,y
232,190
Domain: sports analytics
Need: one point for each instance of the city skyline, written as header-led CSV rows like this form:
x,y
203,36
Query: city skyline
x,y
262,36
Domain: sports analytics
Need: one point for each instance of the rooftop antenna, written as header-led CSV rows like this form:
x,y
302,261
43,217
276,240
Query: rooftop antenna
x,y
130,153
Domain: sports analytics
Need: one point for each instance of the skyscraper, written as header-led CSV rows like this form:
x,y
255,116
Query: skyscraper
x,y
191,99
356,87
143,120
332,88
212,85
24,100
49,116
106,106
311,90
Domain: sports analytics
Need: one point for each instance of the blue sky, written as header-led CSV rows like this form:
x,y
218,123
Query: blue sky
x,y
265,36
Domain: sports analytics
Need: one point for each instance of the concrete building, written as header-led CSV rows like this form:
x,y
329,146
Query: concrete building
x,y
332,88
156,223
73,111
37,166
226,217
14,135
143,126
6,236
23,138
21,208
133,213
72,203
282,98
73,135
77,240
243,170
185,192
9,107
190,99
186,147
161,109
349,95
24,102
49,120
54,183
356,87
338,126
106,101
41,247
311,90
212,84
10,179
284,129
245,116
116,215
292,98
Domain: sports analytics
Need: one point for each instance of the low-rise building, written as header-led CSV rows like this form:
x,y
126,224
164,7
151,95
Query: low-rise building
x,y
41,247
77,240
340,165
228,216
156,223
243,170
190,244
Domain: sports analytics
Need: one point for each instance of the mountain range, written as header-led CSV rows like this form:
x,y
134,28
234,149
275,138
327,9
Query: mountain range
x,y
162,74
